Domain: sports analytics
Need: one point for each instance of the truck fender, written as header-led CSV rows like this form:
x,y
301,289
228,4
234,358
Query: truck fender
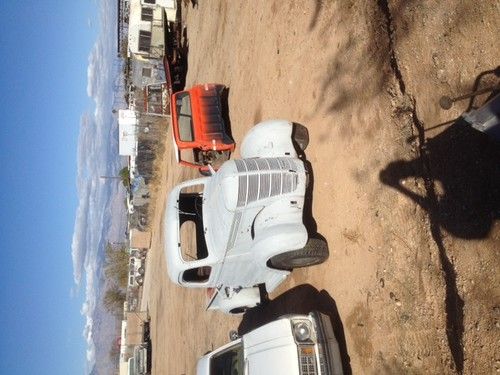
x,y
271,138
278,239
235,300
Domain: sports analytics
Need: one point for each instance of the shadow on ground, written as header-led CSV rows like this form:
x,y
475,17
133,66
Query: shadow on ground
x,y
300,300
461,174
464,166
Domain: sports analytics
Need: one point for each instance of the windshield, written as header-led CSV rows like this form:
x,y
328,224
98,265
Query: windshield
x,y
228,362
192,242
184,118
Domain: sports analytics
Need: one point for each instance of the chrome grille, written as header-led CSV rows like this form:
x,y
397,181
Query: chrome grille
x,y
273,164
251,165
263,164
242,190
287,184
275,184
284,163
265,186
240,165
321,355
253,187
307,362
264,178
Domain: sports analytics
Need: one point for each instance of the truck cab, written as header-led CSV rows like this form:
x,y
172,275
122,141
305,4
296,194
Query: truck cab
x,y
291,345
241,229
199,131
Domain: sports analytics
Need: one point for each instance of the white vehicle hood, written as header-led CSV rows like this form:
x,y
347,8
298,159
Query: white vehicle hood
x,y
203,366
271,350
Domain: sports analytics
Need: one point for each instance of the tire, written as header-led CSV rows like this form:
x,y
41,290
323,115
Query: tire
x,y
141,271
238,310
139,281
300,136
315,252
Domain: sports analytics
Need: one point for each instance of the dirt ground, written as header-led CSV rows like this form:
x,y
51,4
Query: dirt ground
x,y
410,213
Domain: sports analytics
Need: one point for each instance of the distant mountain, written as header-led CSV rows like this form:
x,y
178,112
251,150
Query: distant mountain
x,y
101,214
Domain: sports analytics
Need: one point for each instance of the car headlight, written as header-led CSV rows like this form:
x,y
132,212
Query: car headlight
x,y
302,331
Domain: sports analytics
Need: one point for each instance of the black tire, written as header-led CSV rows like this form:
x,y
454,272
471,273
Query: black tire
x,y
315,252
238,310
139,280
300,136
141,271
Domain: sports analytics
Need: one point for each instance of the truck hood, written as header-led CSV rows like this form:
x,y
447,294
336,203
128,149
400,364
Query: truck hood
x,y
210,113
203,366
271,350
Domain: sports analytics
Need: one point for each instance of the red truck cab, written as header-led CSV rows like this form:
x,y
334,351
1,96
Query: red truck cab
x,y
198,127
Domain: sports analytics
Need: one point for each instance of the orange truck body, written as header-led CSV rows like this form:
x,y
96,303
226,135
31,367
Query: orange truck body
x,y
198,125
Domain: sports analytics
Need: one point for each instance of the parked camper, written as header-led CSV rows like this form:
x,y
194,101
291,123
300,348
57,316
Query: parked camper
x,y
291,345
242,228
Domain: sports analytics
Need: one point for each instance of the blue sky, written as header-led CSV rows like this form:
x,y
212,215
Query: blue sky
x,y
44,58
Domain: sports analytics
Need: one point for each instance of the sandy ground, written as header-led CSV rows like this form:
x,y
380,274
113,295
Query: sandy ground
x,y
410,214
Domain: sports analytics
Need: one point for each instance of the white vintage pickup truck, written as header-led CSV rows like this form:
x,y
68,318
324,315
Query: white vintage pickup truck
x,y
291,345
241,229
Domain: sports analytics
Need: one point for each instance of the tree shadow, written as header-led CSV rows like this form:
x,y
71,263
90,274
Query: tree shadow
x,y
464,165
366,60
482,80
461,174
299,300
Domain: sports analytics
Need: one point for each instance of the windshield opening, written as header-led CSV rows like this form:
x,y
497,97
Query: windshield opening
x,y
192,233
184,117
228,362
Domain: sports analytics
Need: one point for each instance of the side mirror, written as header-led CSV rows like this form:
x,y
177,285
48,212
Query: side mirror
x,y
233,335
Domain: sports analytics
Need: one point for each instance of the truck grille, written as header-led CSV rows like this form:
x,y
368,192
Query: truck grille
x,y
322,362
264,178
307,360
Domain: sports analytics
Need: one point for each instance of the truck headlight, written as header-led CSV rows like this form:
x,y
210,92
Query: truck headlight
x,y
301,331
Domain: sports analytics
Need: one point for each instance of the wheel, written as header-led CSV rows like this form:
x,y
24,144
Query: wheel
x,y
300,136
141,271
139,280
315,252
238,310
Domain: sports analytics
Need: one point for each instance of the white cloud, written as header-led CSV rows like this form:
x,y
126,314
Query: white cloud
x,y
97,155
